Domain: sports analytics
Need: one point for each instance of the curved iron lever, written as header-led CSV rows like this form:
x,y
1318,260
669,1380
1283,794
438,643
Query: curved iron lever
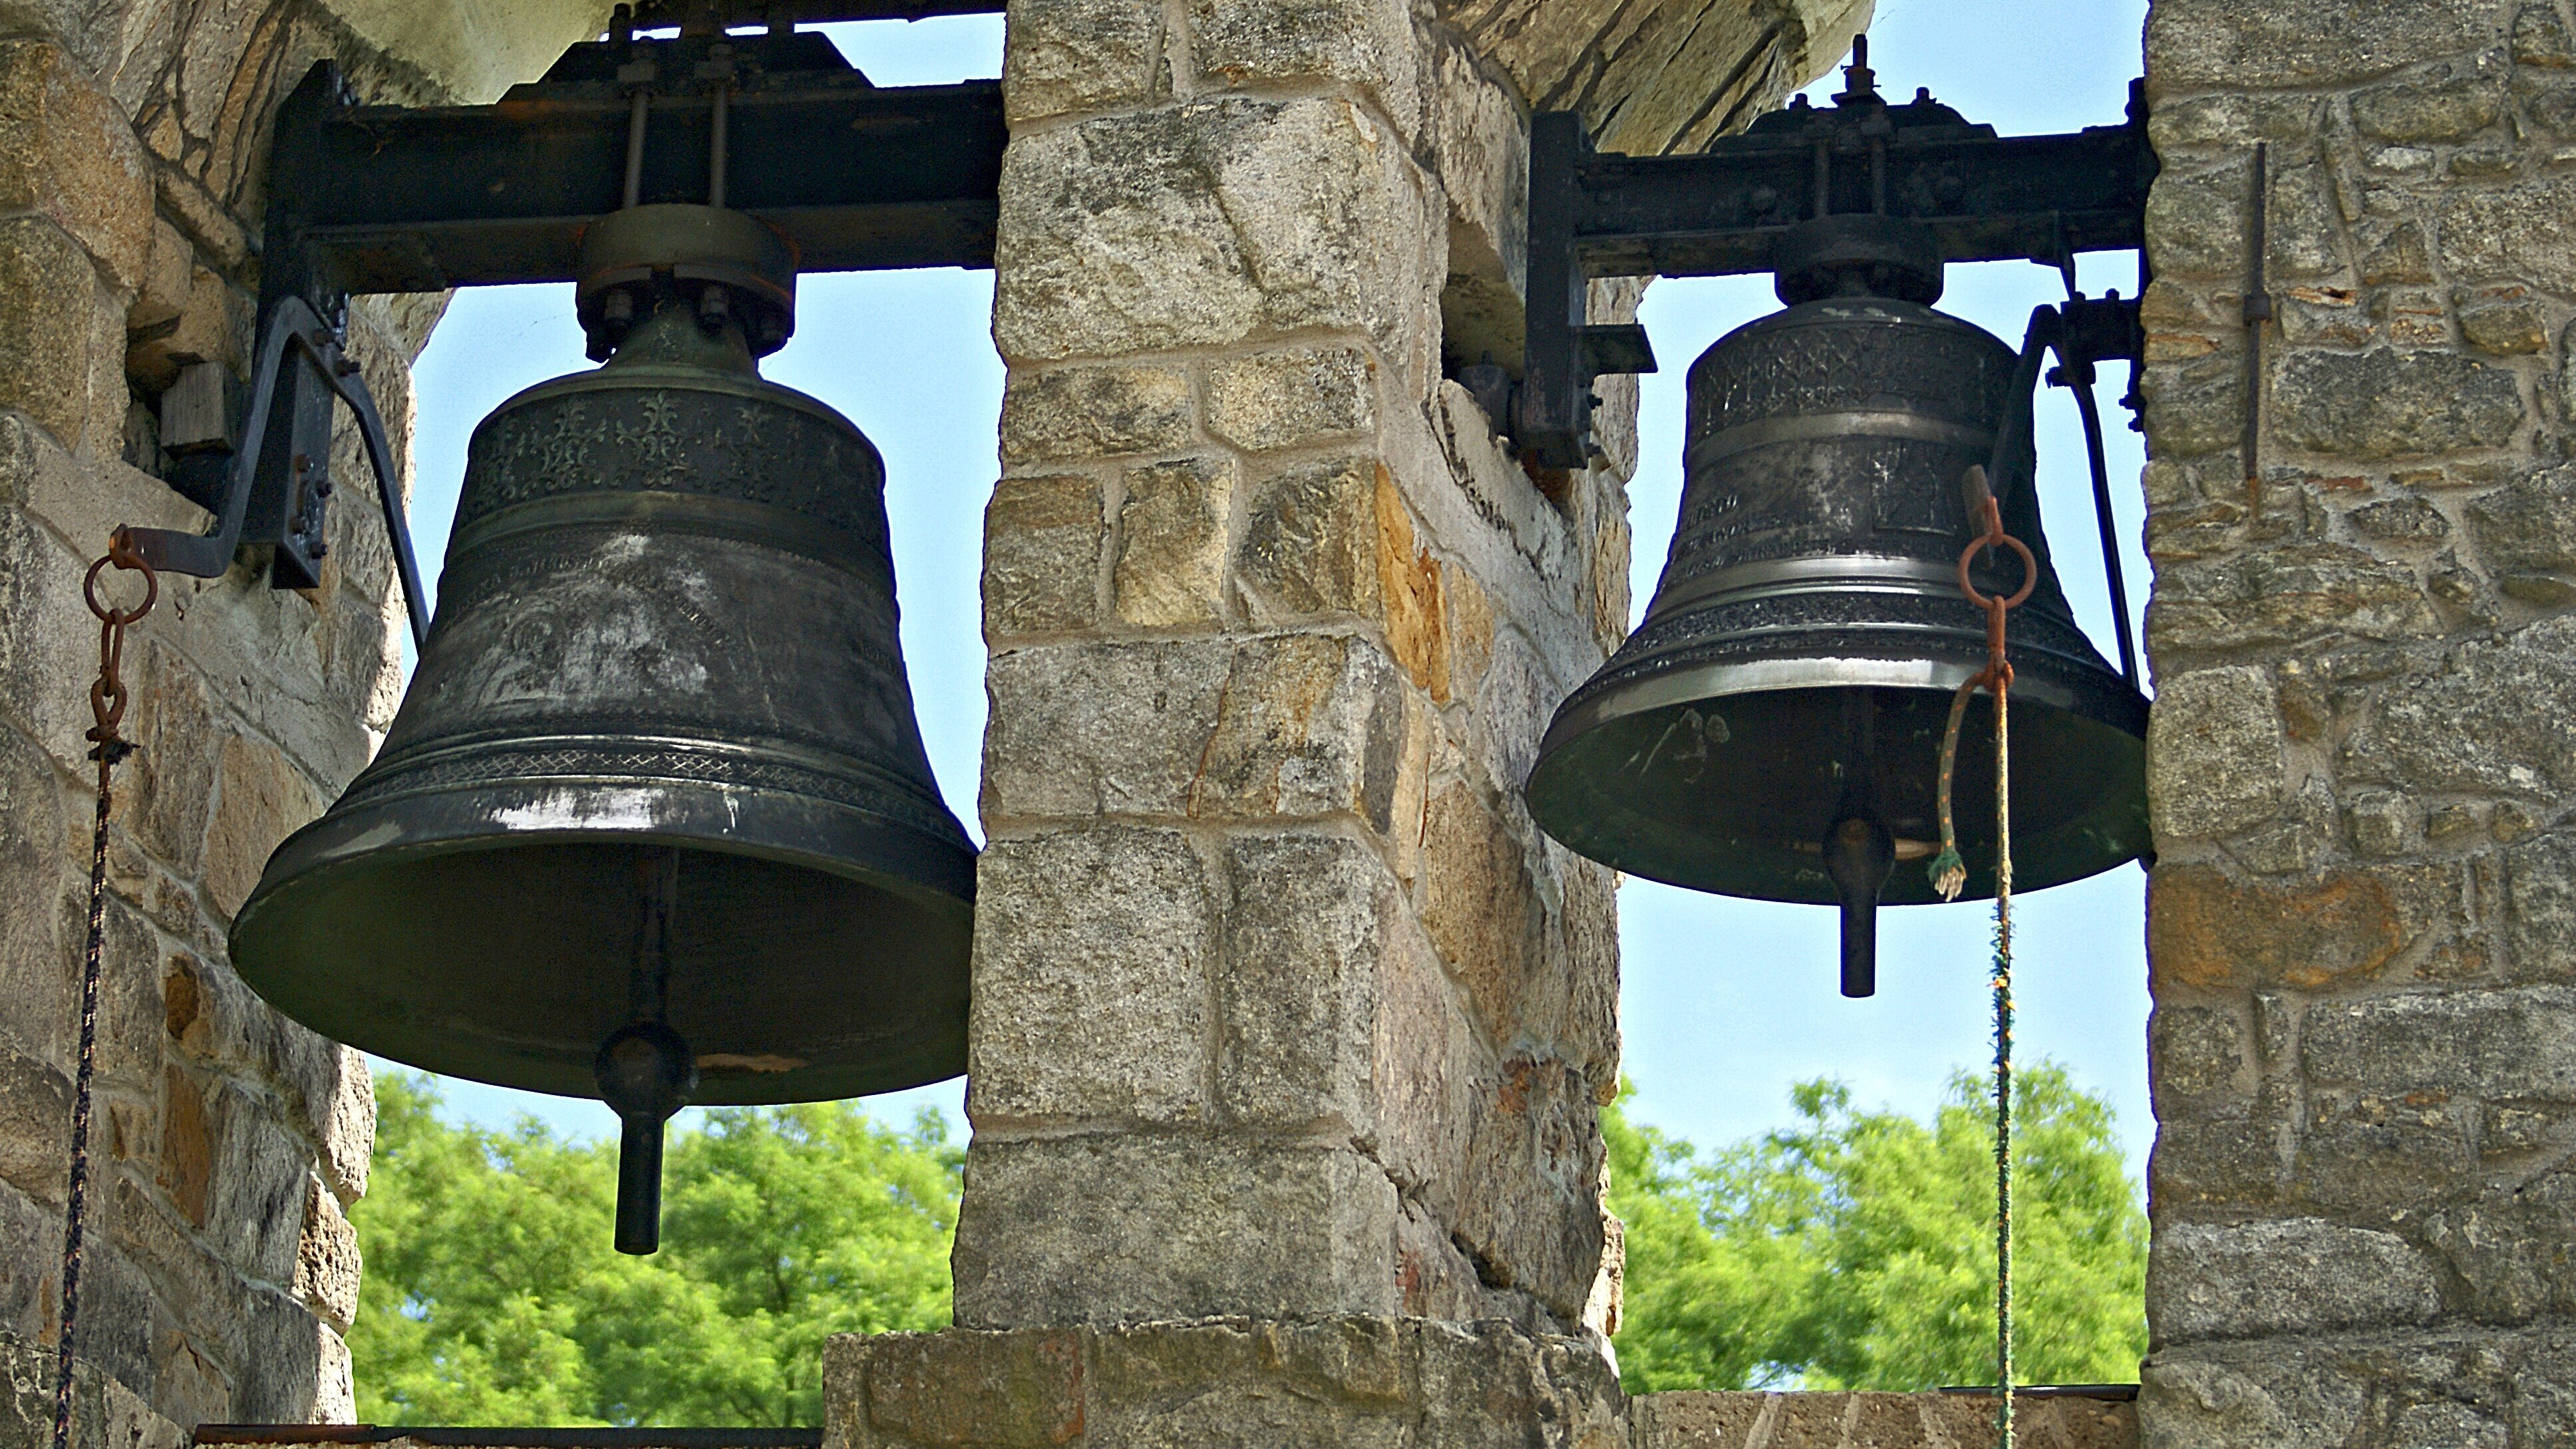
x,y
293,323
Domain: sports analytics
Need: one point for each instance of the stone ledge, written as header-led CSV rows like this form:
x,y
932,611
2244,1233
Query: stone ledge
x,y
1357,1380
1754,1420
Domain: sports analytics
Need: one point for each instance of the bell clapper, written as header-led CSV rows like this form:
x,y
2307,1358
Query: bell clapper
x,y
646,1070
1859,849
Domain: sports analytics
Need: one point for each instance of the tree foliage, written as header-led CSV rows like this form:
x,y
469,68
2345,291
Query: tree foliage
x,y
492,1296
1856,1249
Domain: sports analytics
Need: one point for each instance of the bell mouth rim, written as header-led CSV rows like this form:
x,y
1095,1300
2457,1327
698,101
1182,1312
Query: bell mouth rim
x,y
340,845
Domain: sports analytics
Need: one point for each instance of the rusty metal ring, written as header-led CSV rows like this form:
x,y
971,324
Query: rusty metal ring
x,y
2029,570
119,555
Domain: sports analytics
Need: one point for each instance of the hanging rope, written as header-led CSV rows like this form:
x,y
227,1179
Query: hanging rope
x,y
107,699
1950,875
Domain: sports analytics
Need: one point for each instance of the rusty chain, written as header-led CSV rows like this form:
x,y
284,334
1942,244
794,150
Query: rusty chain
x,y
108,697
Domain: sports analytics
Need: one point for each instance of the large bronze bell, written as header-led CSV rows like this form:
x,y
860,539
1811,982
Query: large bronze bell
x,y
654,822
1773,727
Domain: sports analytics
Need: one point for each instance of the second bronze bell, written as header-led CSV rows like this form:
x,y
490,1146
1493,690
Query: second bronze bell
x,y
1773,727
654,822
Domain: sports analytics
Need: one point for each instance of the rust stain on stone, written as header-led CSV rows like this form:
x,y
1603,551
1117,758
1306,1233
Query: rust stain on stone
x,y
2208,933
187,1148
1409,578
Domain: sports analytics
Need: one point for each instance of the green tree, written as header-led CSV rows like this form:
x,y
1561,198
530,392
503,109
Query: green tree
x,y
492,1296
1856,1249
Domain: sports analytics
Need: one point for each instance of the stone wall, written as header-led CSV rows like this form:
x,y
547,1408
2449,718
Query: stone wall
x,y
1282,1006
2361,932
226,1141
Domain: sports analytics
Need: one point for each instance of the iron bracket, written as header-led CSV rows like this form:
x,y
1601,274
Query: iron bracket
x,y
1983,197
374,199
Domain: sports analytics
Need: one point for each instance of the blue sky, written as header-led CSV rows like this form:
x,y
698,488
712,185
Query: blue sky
x,y
1726,1002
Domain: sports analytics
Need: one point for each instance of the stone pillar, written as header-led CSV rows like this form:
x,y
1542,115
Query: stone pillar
x,y
1281,1005
2361,934
225,1141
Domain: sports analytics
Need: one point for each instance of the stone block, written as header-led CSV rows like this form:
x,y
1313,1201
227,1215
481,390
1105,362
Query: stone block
x,y
261,799
106,1413
1042,542
2215,760
2540,909
1292,398
2508,1247
35,1127
37,936
327,1261
2214,45
1101,729
1011,1390
1075,414
2197,1061
68,152
2363,1151
1066,57
2206,932
2525,526
1430,1067
1481,907
2506,328
1297,992
2196,220
2392,404
171,785
2295,593
214,1021
2514,1043
1310,725
2452,109
1530,1211
1216,222
1338,1382
1310,542
1092,975
2289,1276
2502,233
1122,1229
1486,1390
2487,717
1172,543
48,364
297,1369
1366,45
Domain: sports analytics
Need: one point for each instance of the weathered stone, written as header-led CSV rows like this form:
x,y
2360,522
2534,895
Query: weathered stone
x,y
2380,824
1125,1228
1142,714
2527,527
1310,541
1011,1390
2517,1043
1213,244
1292,398
1042,542
1535,1127
2446,110
326,1259
2506,328
2196,220
35,1125
1071,56
1062,414
2402,520
172,783
1309,725
47,364
2540,37
2296,593
1172,543
2212,44
2540,909
2500,233
261,799
2208,933
2509,1247
1092,975
2490,717
1342,1381
2299,1275
2214,752
1481,907
1367,45
2388,403
2197,1058
68,153
2400,256
1297,991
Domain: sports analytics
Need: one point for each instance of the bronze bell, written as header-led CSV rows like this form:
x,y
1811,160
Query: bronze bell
x,y
1773,728
654,822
